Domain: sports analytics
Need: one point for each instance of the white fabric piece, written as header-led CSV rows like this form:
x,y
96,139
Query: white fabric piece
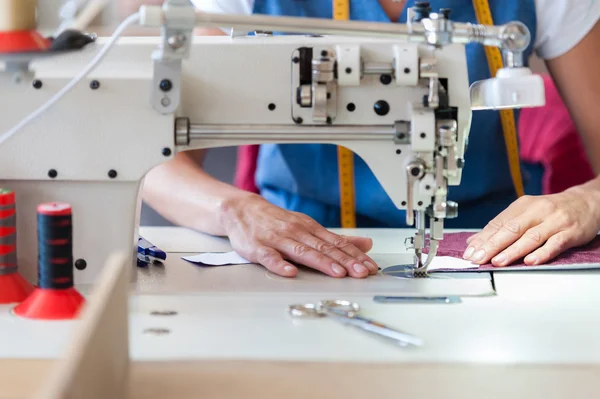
x,y
449,263
561,24
217,259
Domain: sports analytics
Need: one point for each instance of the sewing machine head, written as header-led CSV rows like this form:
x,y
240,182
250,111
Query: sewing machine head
x,y
399,97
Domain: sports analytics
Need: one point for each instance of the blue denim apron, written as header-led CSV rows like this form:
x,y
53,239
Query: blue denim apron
x,y
304,177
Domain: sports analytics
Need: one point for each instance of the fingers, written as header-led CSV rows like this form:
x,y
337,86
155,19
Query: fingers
x,y
273,261
486,246
530,241
471,238
476,241
345,245
536,228
278,236
302,253
364,244
355,266
556,244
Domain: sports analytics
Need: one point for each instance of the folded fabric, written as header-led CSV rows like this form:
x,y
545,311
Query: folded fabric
x,y
455,244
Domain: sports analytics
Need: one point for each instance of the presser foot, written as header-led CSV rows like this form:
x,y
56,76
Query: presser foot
x,y
405,271
418,269
421,273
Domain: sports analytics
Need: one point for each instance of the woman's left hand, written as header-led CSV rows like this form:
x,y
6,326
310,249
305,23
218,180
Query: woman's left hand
x,y
538,228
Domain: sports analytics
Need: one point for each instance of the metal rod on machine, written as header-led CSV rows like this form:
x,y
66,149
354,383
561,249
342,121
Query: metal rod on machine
x,y
320,26
281,133
415,32
378,68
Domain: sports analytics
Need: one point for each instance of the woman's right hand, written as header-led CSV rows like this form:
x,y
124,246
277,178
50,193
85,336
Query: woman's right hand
x,y
273,237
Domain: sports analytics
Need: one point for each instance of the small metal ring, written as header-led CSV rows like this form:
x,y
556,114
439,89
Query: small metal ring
x,y
339,306
304,310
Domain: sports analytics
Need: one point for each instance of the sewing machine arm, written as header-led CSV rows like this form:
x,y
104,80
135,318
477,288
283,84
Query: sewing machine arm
x,y
397,95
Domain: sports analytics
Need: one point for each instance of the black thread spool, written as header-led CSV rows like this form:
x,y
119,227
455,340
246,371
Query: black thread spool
x,y
55,298
55,246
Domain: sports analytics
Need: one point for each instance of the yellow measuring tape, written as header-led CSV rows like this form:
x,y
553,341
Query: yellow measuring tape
x,y
341,12
507,117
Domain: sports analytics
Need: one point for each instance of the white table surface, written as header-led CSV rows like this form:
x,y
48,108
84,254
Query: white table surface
x,y
535,318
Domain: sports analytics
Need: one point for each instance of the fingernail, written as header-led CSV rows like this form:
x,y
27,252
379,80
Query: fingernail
x,y
360,269
500,259
468,253
371,266
531,259
288,269
478,255
338,270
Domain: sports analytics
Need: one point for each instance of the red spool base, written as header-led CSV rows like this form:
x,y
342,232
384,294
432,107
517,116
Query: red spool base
x,y
22,41
14,288
48,304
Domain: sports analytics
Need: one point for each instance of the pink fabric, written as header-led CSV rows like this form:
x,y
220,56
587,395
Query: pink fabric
x,y
455,244
246,168
547,135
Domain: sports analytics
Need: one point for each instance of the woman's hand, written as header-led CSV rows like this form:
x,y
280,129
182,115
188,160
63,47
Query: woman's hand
x,y
538,228
266,234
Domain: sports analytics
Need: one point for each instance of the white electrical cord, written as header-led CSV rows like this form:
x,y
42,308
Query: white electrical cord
x,y
132,19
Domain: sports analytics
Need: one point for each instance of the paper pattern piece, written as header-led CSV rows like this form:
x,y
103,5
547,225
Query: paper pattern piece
x,y
217,259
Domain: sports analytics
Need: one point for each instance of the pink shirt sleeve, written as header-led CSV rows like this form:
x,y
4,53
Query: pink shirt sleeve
x,y
547,135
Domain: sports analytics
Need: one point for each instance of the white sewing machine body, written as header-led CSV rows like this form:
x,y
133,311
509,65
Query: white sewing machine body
x,y
115,128
518,335
152,98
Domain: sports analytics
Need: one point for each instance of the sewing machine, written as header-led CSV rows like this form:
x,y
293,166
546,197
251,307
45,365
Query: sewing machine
x,y
397,95
152,97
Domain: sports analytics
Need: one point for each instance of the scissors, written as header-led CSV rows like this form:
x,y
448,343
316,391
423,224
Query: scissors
x,y
347,312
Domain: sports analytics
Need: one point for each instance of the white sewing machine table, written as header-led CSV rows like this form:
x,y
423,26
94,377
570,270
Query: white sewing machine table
x,y
537,337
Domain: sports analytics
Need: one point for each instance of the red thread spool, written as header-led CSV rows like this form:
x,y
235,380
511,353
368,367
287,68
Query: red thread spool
x,y
55,298
23,41
13,287
18,27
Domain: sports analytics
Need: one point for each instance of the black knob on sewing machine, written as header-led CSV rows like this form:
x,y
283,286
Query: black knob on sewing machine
x,y
71,40
445,12
421,10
